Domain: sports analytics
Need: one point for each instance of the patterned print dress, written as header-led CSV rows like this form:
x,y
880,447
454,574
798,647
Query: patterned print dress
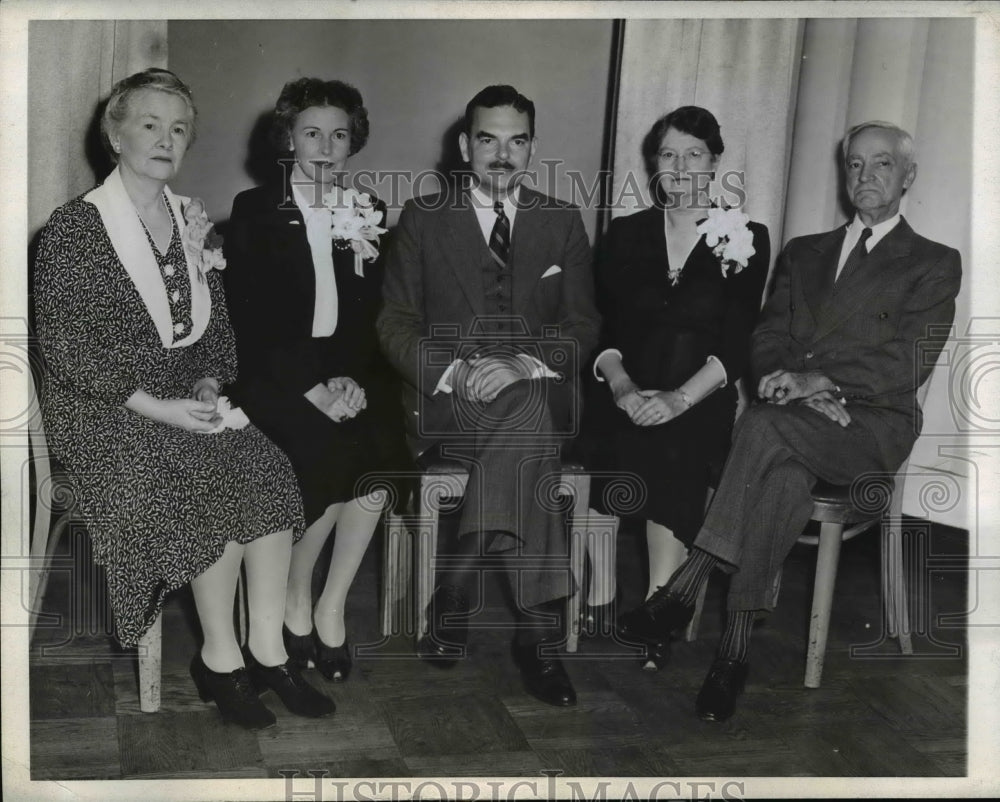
x,y
160,502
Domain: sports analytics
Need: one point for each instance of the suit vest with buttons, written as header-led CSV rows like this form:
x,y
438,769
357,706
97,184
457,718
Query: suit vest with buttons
x,y
497,284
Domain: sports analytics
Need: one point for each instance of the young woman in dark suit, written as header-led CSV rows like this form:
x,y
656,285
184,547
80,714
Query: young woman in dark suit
x,y
311,376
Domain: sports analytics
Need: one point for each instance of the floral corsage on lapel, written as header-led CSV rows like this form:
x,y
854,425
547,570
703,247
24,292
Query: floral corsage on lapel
x,y
201,241
727,234
354,224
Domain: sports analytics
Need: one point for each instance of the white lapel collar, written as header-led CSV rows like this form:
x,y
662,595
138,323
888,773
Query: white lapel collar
x,y
133,251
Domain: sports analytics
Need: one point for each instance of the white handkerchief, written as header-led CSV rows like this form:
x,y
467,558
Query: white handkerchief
x,y
552,271
232,417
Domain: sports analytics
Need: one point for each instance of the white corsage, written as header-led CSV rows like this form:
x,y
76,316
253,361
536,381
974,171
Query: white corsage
x,y
727,234
202,242
354,224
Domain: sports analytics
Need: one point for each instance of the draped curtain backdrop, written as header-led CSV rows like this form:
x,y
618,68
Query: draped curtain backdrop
x,y
71,69
784,92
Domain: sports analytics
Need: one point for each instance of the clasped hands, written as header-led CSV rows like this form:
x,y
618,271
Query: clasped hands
x,y
647,407
811,388
482,379
340,398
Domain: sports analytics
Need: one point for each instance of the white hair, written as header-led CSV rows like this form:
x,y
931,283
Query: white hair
x,y
904,142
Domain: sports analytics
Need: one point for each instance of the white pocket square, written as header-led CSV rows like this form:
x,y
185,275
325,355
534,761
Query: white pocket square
x,y
552,271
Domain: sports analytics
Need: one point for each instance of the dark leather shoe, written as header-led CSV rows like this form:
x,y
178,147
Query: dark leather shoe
x,y
657,655
654,620
724,683
287,681
299,647
444,644
333,662
544,676
234,695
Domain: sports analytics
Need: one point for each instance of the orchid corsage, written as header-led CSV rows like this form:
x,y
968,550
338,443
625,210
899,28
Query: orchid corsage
x,y
727,234
202,242
354,224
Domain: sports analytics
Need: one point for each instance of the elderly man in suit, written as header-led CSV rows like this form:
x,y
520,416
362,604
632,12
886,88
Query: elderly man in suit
x,y
488,314
836,356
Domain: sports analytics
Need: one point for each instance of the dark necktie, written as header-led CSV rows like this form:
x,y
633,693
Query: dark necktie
x,y
857,256
500,236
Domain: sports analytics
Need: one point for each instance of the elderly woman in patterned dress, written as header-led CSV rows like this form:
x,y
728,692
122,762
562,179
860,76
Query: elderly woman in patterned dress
x,y
137,342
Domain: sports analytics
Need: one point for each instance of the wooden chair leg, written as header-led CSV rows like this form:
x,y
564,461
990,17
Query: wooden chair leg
x,y
894,584
579,532
828,555
427,543
43,547
391,572
691,632
150,667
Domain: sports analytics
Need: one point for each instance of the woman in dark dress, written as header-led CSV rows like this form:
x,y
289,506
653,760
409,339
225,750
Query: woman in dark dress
x,y
311,374
174,488
682,307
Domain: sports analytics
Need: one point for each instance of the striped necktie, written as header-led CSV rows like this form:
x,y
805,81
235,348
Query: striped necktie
x,y
500,236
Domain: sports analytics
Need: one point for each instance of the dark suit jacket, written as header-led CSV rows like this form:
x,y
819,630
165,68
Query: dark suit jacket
x,y
875,333
270,289
433,281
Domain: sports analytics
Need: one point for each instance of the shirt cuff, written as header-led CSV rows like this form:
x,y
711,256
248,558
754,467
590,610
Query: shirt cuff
x,y
725,377
538,368
597,375
444,383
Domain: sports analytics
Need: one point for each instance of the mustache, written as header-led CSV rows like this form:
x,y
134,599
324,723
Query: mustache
x,y
501,165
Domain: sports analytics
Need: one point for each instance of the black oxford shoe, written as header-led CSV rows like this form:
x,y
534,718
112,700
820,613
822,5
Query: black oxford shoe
x,y
654,620
445,644
724,683
234,695
287,681
544,676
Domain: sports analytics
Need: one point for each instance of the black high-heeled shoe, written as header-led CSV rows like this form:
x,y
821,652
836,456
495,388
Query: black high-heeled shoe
x,y
299,647
333,662
287,681
234,695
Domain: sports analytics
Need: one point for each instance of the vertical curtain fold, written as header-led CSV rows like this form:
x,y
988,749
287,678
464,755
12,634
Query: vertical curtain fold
x,y
71,68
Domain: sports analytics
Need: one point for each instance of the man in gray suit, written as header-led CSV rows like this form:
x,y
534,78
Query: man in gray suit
x,y
836,355
488,314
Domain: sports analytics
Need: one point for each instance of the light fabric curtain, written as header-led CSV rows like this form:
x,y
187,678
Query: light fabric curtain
x,y
744,71
785,91
72,66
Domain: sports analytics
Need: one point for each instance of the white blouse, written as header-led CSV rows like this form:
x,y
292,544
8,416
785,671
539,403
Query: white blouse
x,y
318,223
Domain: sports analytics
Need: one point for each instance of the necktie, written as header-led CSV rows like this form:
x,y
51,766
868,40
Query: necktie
x,y
500,236
857,255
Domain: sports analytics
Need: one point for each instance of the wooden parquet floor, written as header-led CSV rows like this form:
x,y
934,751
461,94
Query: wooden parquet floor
x,y
877,714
